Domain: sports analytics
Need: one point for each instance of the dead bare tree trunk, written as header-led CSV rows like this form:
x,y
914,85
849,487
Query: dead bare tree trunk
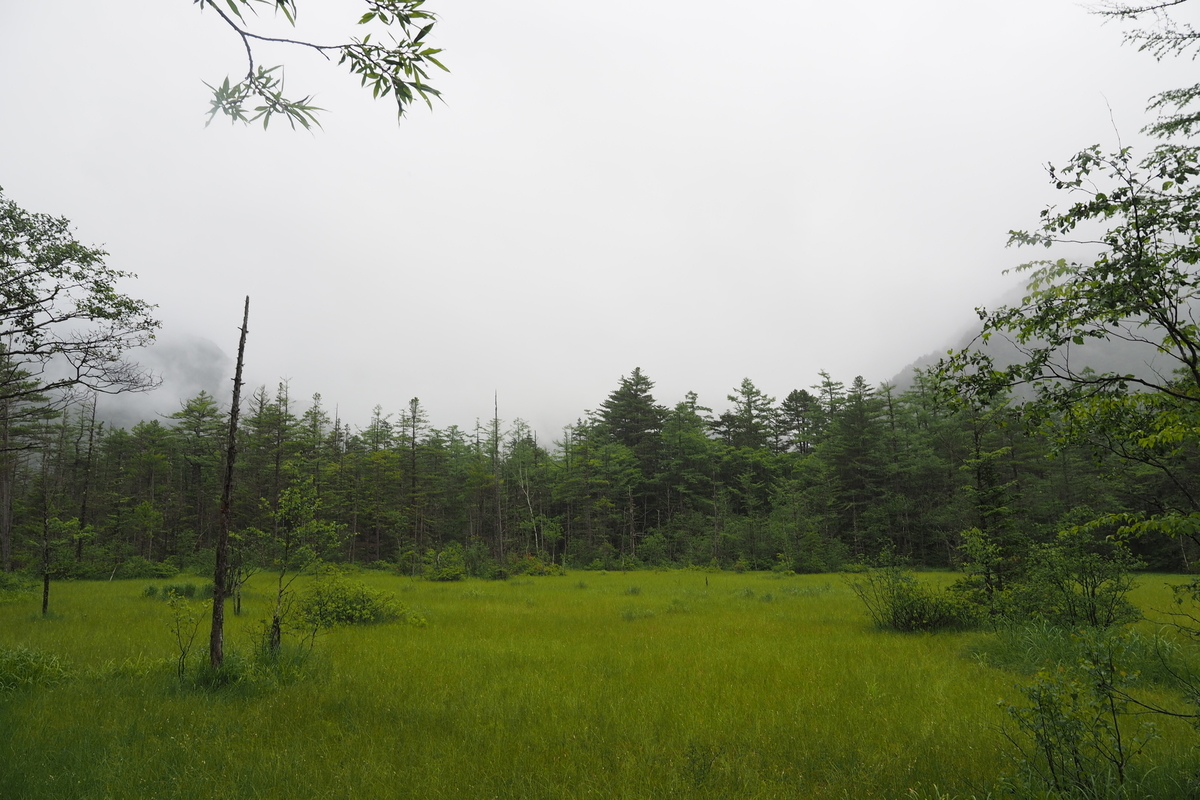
x,y
87,481
7,468
216,640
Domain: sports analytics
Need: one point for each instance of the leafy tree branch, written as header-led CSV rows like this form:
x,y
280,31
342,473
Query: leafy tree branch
x,y
399,67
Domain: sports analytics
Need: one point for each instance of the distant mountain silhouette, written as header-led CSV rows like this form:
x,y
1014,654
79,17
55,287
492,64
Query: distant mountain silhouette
x,y
185,364
1101,355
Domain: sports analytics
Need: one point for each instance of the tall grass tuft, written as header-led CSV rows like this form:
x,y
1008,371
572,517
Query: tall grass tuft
x,y
27,667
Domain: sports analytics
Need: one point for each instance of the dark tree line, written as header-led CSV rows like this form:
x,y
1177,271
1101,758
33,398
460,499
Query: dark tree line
x,y
832,474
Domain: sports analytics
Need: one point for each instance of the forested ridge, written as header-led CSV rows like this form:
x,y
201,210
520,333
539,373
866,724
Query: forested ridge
x,y
830,475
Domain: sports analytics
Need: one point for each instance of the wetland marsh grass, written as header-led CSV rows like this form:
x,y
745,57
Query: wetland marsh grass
x,y
553,687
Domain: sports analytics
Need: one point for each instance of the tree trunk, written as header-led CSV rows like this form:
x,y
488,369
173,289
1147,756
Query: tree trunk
x,y
6,470
87,482
216,640
45,539
6,478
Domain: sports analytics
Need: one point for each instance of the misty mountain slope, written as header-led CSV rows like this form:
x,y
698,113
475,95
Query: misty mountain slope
x,y
186,365
1100,355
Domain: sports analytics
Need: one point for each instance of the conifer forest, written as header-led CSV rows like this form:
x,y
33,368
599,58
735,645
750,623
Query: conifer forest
x,y
832,474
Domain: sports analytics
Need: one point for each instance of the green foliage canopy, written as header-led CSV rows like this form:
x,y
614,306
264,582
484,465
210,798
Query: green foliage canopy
x,y
1142,287
61,304
400,67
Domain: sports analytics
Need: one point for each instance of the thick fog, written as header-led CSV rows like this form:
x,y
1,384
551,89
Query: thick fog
x,y
705,191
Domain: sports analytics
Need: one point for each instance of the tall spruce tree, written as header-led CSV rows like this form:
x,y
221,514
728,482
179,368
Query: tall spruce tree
x,y
632,418
199,428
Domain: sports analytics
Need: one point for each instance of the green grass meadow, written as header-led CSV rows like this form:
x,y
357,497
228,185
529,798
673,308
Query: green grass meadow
x,y
618,685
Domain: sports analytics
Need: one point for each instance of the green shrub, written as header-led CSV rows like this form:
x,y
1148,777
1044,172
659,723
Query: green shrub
x,y
26,667
653,550
336,601
14,584
448,565
150,591
1077,580
1079,734
187,590
14,587
98,568
896,601
1082,578
533,565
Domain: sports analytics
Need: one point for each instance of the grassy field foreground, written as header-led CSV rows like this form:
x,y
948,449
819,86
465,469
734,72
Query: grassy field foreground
x,y
620,685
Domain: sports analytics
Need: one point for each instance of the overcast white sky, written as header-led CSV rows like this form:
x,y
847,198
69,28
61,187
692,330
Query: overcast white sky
x,y
709,191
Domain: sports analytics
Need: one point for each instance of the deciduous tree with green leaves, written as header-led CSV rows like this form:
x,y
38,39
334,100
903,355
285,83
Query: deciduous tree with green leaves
x,y
1142,287
298,541
65,324
1138,219
64,321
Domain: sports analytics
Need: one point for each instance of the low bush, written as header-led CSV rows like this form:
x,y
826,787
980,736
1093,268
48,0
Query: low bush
x,y
532,565
1079,732
896,601
336,601
448,565
14,586
1080,579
